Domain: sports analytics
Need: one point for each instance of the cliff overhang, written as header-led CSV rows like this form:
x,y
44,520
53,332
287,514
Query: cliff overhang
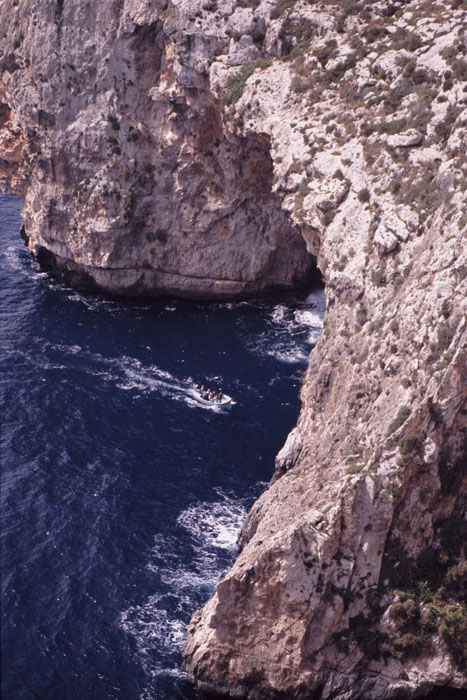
x,y
195,145
130,176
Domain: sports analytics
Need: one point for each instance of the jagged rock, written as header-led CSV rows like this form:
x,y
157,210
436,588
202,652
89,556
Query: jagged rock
x,y
308,626
385,240
137,186
242,51
289,454
167,169
396,224
406,139
329,193
388,63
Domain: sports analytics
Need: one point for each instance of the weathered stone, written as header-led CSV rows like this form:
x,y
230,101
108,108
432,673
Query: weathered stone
x,y
242,51
406,139
135,195
385,240
340,455
167,169
329,193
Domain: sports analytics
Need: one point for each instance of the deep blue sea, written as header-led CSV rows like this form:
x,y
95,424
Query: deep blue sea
x,y
121,495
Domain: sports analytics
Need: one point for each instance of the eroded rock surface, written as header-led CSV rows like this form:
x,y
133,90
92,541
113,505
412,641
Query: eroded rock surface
x,y
214,133
344,585
131,181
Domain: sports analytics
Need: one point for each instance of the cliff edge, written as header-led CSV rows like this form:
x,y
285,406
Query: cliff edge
x,y
131,181
256,137
350,580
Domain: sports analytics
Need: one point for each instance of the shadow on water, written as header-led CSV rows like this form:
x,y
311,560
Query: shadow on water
x,y
122,496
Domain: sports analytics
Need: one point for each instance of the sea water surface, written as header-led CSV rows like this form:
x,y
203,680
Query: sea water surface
x,y
121,495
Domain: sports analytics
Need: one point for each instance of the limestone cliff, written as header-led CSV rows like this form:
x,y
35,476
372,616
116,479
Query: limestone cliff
x,y
246,129
131,181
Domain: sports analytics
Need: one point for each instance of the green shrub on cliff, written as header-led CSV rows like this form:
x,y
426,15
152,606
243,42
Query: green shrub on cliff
x,y
411,446
402,415
281,7
421,611
236,84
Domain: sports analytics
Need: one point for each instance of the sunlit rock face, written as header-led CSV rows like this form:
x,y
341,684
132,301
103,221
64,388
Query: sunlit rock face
x,y
350,578
215,149
131,180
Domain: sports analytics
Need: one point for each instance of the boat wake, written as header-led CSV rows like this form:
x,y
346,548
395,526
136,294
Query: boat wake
x,y
125,372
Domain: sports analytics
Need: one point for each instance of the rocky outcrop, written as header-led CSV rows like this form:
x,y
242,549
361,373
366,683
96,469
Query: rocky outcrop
x,y
351,573
131,181
237,125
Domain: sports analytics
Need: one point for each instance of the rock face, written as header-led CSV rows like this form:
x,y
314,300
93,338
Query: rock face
x,y
131,181
248,122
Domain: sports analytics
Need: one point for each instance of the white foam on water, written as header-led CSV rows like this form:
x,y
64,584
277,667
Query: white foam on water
x,y
233,306
214,524
317,299
106,375
292,330
145,378
291,355
309,317
67,349
159,634
187,568
91,303
15,261
131,374
312,314
280,314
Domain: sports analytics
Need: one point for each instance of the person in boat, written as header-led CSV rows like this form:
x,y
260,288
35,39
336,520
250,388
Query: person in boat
x,y
210,395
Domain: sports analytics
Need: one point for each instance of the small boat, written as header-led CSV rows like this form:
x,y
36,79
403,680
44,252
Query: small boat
x,y
224,401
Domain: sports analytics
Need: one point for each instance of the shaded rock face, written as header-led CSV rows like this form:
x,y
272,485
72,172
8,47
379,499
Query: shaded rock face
x,y
183,147
351,575
131,182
